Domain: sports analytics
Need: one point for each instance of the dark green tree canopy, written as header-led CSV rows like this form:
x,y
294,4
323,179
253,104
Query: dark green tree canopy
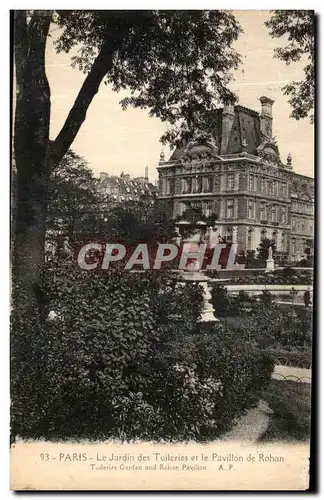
x,y
298,26
174,63
73,199
263,248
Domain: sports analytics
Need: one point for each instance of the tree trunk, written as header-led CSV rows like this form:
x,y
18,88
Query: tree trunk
x,y
31,149
35,156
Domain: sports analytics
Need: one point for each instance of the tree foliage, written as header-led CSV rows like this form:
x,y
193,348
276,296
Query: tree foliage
x,y
298,26
73,199
263,248
175,64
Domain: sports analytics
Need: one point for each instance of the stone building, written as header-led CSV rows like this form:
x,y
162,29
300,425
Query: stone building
x,y
115,190
237,176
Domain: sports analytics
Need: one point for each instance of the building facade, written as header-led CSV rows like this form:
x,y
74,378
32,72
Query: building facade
x,y
238,177
117,190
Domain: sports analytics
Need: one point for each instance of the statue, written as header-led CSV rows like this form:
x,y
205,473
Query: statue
x,y
270,261
162,156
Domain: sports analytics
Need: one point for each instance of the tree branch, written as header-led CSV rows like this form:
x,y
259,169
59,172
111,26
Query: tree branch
x,y
78,112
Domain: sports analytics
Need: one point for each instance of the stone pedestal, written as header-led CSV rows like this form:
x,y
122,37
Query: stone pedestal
x,y
208,312
270,265
270,261
198,277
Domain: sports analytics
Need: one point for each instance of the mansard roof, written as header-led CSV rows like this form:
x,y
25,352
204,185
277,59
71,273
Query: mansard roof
x,y
245,133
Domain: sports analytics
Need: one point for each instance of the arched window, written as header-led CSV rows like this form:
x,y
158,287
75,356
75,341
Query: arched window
x,y
263,234
229,234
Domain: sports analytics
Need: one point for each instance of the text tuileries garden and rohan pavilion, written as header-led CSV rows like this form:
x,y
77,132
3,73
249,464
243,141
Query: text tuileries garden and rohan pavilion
x,y
238,177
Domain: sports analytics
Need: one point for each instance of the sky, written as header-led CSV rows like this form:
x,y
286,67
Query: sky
x,y
113,140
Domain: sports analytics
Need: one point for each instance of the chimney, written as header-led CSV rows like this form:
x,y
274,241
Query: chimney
x,y
227,124
266,116
146,173
103,176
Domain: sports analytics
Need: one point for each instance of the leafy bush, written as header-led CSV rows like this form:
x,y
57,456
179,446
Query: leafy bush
x,y
125,357
230,305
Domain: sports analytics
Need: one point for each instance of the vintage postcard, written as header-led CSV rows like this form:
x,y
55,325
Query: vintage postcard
x,y
162,216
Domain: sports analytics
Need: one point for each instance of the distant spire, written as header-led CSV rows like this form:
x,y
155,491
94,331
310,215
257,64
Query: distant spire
x,y
146,172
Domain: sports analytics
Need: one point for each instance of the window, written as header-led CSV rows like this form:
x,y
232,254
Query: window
x,y
250,209
262,185
206,184
230,181
206,208
293,246
230,209
284,215
195,184
270,187
273,214
216,184
263,234
275,188
186,186
229,235
251,182
262,212
178,186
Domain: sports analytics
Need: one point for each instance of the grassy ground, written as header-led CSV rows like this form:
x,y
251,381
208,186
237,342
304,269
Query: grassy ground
x,y
290,403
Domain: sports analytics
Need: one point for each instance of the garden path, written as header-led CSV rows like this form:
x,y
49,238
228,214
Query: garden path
x,y
303,375
251,426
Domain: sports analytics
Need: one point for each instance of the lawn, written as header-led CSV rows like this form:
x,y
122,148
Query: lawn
x,y
290,403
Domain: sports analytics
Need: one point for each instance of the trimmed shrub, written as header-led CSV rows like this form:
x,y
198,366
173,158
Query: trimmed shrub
x,y
301,358
126,358
269,326
284,276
